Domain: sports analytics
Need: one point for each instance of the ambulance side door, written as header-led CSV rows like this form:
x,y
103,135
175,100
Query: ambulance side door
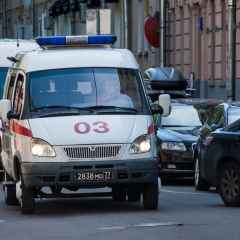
x,y
16,97
6,134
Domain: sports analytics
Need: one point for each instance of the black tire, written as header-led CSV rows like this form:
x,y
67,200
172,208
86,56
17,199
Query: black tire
x,y
9,192
1,175
164,180
134,195
27,202
229,184
1,166
150,196
56,189
199,183
119,194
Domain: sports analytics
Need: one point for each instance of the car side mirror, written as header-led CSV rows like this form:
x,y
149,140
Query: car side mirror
x,y
5,108
12,115
164,100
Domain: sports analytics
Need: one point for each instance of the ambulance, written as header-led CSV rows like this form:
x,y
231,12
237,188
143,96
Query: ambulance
x,y
9,48
75,115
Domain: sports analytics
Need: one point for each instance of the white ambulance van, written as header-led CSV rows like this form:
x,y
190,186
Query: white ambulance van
x,y
8,49
75,115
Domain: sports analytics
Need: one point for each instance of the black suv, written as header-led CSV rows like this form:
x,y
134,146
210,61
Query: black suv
x,y
218,117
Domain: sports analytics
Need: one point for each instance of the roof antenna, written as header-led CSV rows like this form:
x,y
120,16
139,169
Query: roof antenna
x,y
17,40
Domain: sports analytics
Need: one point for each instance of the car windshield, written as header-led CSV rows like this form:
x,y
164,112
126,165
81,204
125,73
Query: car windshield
x,y
103,89
233,114
3,73
182,116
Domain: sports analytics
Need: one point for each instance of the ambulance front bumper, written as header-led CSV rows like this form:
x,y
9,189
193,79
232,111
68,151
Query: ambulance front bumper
x,y
90,173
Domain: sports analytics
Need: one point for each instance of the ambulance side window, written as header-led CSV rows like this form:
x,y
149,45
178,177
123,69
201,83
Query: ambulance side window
x,y
18,95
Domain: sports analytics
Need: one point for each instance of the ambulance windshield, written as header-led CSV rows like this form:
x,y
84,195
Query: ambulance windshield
x,y
86,88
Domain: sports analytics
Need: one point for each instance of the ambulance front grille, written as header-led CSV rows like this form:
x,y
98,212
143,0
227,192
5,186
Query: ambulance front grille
x,y
93,151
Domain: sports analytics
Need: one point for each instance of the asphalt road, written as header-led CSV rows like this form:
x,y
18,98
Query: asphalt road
x,y
183,214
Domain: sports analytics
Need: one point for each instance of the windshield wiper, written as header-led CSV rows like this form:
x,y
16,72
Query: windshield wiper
x,y
113,109
60,111
68,110
179,126
60,107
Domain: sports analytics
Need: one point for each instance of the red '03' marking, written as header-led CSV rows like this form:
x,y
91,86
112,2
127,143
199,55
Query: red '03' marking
x,y
98,127
19,129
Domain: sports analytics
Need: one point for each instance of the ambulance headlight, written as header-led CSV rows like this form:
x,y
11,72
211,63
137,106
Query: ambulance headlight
x,y
41,148
141,145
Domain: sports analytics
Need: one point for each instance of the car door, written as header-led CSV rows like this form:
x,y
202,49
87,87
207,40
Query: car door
x,y
15,94
232,140
214,121
6,140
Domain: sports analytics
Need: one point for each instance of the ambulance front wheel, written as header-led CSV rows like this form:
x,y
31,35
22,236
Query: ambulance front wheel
x,y
150,196
9,191
119,194
26,197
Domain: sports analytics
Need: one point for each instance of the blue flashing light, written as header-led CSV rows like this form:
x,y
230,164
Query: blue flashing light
x,y
102,39
76,40
53,40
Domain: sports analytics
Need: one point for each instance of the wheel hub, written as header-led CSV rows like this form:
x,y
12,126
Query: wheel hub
x,y
230,183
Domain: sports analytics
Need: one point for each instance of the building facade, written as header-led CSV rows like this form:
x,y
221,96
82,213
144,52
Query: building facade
x,y
197,43
196,32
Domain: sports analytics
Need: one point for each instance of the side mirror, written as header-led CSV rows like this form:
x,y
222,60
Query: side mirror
x,y
164,101
5,108
12,115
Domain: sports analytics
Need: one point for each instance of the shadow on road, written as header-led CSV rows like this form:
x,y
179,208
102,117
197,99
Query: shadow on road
x,y
178,182
85,206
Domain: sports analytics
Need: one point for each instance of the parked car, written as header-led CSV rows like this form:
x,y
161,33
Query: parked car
x,y
164,79
176,134
220,163
220,117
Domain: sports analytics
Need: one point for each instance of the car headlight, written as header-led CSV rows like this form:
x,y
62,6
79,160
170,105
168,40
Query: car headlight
x,y
41,148
173,146
141,144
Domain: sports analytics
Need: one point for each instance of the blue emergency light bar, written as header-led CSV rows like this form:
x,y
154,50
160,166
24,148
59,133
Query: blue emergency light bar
x,y
76,40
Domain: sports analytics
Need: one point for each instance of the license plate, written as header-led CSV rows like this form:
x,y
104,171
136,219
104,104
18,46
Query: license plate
x,y
94,176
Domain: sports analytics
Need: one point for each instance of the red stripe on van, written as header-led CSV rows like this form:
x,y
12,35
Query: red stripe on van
x,y
19,129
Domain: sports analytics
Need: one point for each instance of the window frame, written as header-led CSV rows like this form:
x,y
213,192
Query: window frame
x,y
13,97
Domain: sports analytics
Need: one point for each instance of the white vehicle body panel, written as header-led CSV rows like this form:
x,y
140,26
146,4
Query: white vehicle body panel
x,y
9,48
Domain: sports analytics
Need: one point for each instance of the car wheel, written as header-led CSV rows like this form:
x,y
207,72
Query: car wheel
x,y
164,180
199,183
229,184
25,197
150,196
134,195
9,191
119,194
